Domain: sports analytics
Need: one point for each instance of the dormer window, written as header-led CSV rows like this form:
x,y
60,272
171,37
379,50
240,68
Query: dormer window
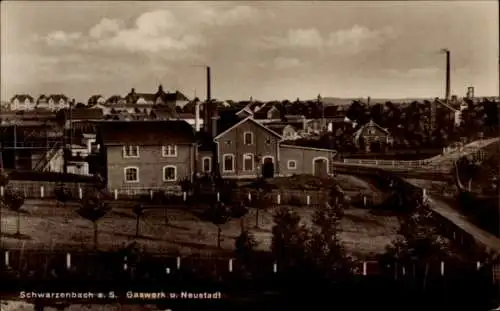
x,y
169,151
130,151
248,138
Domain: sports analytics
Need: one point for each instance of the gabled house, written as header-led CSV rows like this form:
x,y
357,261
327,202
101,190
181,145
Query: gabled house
x,y
269,113
243,144
146,155
96,99
176,99
246,148
22,102
371,137
54,102
287,131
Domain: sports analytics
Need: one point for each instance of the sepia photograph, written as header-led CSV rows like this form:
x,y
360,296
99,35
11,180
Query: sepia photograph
x,y
245,155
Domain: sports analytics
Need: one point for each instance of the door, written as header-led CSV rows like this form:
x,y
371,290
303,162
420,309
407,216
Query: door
x,y
320,167
268,168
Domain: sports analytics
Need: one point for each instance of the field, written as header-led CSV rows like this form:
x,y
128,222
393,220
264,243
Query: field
x,y
47,226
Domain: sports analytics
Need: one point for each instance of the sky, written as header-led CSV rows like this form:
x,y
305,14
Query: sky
x,y
264,50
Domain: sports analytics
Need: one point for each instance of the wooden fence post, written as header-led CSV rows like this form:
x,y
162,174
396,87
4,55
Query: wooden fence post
x,y
151,194
80,193
178,262
275,267
68,261
42,192
116,194
184,196
218,196
2,191
249,197
308,200
231,265
364,200
442,268
7,258
365,270
278,199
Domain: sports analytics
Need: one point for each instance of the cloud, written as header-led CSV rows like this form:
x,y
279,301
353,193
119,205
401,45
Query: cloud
x,y
358,38
59,38
157,31
352,40
229,16
106,27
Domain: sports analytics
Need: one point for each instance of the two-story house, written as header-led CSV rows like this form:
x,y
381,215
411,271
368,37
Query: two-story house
x,y
147,155
22,102
371,137
53,102
245,148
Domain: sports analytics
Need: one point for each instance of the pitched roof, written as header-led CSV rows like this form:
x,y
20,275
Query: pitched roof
x,y
362,127
165,97
22,97
234,123
81,114
57,97
164,113
146,132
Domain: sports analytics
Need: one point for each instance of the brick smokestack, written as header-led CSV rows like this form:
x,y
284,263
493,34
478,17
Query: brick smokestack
x,y
207,109
448,74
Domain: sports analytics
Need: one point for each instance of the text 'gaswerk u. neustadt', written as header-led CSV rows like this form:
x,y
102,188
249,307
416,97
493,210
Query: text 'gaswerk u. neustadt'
x,y
128,295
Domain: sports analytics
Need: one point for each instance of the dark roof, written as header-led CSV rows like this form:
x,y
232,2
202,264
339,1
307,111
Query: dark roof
x,y
57,97
22,97
164,112
113,99
227,121
81,114
146,132
331,112
133,96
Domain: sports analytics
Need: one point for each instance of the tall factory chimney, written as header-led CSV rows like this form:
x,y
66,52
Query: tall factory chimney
x,y
448,79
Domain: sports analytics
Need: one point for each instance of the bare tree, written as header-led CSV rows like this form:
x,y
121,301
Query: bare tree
x,y
94,207
15,200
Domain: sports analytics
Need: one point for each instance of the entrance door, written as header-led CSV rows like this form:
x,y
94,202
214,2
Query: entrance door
x,y
320,167
268,168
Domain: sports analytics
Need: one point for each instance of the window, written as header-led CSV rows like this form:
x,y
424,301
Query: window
x,y
207,164
130,151
291,164
248,162
268,141
228,142
169,151
169,173
228,163
131,174
248,138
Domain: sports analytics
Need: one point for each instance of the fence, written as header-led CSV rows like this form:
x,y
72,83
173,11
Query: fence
x,y
46,190
393,163
19,260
